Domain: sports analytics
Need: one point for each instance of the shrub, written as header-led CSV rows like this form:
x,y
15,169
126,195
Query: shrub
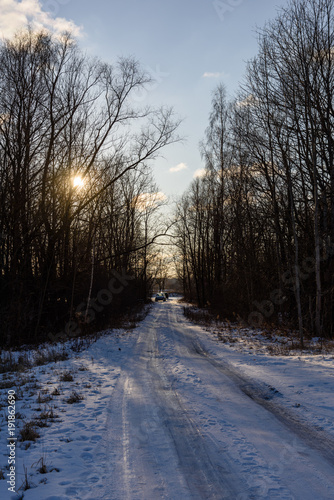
x,y
43,397
66,377
28,432
74,398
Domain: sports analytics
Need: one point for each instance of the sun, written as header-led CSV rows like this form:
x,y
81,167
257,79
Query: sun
x,y
78,181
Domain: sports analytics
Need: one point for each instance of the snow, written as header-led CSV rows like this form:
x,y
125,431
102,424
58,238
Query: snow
x,y
169,411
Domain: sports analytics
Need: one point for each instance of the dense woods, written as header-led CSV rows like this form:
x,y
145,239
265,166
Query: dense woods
x,y
255,234
77,200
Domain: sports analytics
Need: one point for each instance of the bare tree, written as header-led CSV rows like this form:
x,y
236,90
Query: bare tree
x,y
269,209
63,117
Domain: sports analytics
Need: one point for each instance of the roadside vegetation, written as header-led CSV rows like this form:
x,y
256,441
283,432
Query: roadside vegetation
x,y
269,339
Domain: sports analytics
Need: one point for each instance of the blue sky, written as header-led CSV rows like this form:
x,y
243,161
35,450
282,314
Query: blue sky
x,y
188,46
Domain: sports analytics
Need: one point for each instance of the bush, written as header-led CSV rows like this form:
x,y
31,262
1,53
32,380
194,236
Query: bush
x,y
66,377
28,432
74,398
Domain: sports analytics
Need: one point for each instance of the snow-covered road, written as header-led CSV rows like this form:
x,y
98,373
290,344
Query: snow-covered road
x,y
169,412
182,425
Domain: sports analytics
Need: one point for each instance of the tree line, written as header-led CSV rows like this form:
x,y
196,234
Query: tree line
x,y
77,199
255,234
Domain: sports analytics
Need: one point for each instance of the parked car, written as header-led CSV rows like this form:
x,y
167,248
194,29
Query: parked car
x,y
160,296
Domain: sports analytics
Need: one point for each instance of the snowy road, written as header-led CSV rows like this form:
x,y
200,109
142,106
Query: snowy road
x,y
182,425
167,411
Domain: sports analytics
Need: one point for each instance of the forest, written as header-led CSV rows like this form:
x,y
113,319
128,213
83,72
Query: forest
x,y
253,238
77,197
255,234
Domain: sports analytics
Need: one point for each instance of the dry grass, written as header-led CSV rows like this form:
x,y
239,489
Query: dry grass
x,y
10,364
28,432
42,469
83,369
74,398
26,485
45,417
44,397
7,384
66,377
276,341
49,355
199,316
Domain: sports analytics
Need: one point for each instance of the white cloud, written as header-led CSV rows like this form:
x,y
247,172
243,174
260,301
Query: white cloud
x,y
250,100
148,200
211,75
200,172
207,74
179,167
16,15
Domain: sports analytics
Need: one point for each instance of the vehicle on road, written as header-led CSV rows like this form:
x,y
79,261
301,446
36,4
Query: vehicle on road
x,y
160,296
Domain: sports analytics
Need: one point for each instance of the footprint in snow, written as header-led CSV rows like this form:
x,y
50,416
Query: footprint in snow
x,y
87,457
95,439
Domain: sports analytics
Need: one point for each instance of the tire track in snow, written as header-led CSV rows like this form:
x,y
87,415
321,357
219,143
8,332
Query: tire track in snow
x,y
171,437
205,478
160,451
265,396
294,455
240,453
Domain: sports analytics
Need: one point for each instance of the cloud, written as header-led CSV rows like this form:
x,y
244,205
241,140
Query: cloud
x,y
148,200
200,172
211,75
178,168
250,100
16,15
207,74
